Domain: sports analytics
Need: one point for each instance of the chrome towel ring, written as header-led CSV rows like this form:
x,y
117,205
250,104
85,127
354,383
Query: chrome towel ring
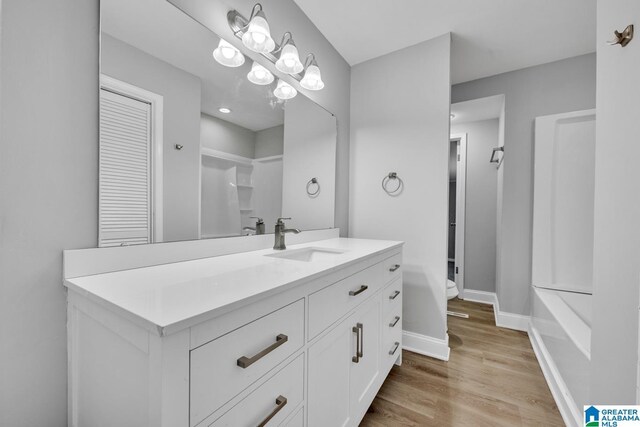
x,y
392,176
313,181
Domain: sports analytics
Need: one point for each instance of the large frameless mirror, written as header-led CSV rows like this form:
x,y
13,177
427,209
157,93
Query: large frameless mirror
x,y
192,149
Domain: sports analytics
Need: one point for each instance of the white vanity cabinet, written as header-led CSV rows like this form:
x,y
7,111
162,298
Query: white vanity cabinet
x,y
314,353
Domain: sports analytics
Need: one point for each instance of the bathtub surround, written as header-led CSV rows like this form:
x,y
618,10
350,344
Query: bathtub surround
x,y
480,205
616,270
48,194
285,15
403,126
557,87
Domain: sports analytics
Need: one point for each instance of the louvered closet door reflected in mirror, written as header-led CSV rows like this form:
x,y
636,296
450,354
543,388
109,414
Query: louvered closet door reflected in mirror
x,y
126,194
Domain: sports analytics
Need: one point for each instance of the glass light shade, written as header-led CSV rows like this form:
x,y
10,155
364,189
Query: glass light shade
x,y
289,61
284,90
227,55
258,36
312,79
259,75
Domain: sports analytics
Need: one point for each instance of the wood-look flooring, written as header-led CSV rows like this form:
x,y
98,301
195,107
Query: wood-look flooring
x,y
492,378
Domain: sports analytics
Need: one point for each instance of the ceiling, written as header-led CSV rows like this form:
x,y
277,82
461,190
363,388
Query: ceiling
x,y
161,30
488,36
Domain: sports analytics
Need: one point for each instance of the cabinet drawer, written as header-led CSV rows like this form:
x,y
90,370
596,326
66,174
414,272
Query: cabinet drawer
x,y
273,401
392,296
329,304
227,365
391,337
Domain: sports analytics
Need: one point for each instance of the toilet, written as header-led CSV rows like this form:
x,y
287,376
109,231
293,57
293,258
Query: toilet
x,y
452,289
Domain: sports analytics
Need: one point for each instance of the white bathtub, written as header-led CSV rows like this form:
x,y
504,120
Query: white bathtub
x,y
561,336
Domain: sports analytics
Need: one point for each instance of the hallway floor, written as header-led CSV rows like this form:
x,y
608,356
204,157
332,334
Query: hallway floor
x,y
492,379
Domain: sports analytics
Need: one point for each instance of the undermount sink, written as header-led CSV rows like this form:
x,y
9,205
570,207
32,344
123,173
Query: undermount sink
x,y
308,254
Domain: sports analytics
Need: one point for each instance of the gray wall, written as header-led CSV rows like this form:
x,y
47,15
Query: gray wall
x,y
181,92
558,87
48,194
616,256
481,205
225,136
285,15
404,127
270,142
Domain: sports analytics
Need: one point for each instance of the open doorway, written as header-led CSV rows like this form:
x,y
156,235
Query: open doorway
x,y
474,201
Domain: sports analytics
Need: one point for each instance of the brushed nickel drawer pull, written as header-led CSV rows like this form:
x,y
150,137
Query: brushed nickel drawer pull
x,y
394,295
281,402
359,291
394,268
356,329
394,322
245,362
395,348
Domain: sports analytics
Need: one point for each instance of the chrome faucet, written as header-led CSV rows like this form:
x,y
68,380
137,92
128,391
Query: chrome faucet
x,y
280,231
259,228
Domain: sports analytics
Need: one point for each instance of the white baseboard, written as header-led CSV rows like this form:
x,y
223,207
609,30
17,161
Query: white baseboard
x,y
519,322
571,414
480,296
426,345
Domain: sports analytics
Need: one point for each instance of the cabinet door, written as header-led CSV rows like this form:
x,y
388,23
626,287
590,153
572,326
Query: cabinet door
x,y
365,373
329,366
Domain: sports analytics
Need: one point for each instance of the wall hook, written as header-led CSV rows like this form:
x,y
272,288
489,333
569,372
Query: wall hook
x,y
179,147
623,38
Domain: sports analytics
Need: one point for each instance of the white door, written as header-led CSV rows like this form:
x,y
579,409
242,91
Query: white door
x,y
330,361
461,185
125,216
365,373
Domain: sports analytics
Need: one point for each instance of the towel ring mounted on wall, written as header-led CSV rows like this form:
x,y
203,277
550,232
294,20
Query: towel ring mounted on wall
x,y
392,176
313,181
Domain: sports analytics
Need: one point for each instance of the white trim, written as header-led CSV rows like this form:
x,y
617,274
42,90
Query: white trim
x,y
157,137
480,296
503,319
571,414
268,159
210,152
426,345
461,187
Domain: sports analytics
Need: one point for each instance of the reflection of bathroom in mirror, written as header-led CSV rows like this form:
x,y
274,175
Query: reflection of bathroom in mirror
x,y
192,149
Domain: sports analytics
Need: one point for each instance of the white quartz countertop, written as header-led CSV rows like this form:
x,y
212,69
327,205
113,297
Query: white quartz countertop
x,y
166,297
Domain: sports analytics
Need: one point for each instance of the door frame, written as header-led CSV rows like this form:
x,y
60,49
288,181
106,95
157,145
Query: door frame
x,y
461,186
157,156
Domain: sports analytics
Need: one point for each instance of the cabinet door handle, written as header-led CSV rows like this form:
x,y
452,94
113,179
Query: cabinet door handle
x,y
394,268
356,329
245,362
394,349
281,402
394,322
361,326
394,295
359,291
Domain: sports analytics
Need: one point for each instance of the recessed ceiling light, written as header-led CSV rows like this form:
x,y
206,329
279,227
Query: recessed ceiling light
x,y
452,116
224,110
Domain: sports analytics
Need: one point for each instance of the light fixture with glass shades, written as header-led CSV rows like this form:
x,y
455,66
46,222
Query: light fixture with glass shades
x,y
227,54
312,80
255,35
284,90
289,61
260,75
